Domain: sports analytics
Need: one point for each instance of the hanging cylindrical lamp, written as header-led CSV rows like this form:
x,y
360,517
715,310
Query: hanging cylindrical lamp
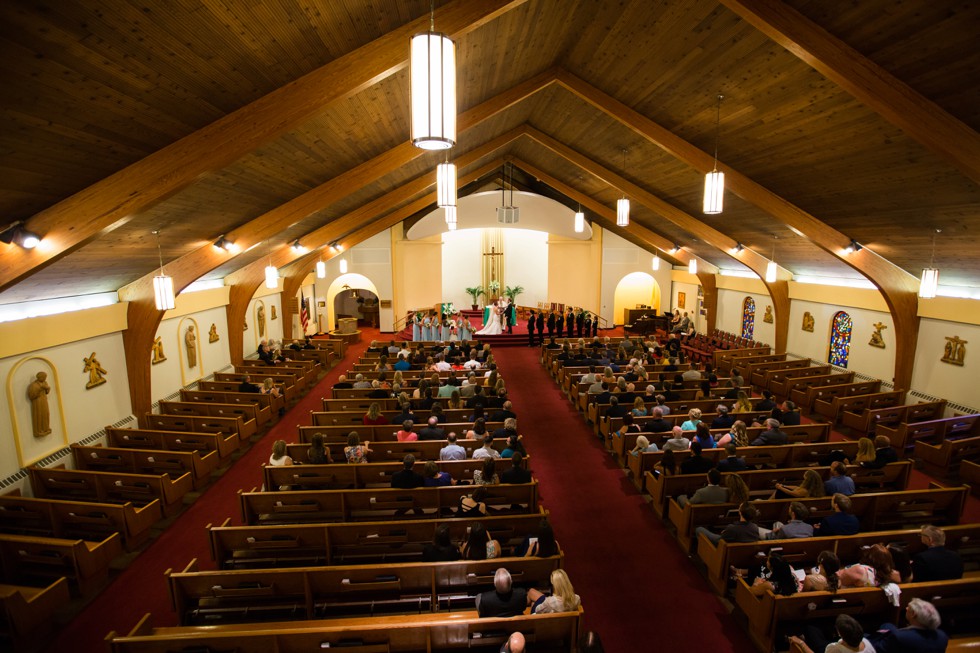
x,y
579,221
163,286
343,266
714,181
623,204
321,270
446,184
692,266
655,264
929,284
450,217
271,276
433,74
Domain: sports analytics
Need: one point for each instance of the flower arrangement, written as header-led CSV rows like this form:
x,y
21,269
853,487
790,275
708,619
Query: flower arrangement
x,y
494,287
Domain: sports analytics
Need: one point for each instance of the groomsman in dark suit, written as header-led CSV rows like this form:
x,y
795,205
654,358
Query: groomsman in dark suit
x,y
595,325
531,321
580,323
551,324
560,323
588,324
540,324
570,324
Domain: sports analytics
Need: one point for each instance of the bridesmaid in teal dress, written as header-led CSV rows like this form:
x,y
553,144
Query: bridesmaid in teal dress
x,y
416,327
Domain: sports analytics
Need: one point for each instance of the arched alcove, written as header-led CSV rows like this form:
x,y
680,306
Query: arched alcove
x,y
354,281
635,289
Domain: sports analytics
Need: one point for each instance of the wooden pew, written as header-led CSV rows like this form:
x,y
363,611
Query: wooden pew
x,y
877,511
28,560
146,461
718,559
661,488
305,545
970,474
28,610
774,379
267,406
205,443
943,460
306,506
827,392
237,596
306,370
247,415
867,421
380,433
324,357
610,426
435,633
226,426
110,487
833,408
78,519
904,436
229,381
353,419
755,372
386,451
787,388
725,359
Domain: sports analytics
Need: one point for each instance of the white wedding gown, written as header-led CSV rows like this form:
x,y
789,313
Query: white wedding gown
x,y
493,327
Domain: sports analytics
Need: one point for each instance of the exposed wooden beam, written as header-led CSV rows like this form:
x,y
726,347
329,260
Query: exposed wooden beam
x,y
894,100
106,205
897,287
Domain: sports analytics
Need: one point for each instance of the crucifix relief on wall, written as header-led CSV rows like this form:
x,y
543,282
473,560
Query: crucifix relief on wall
x,y
493,271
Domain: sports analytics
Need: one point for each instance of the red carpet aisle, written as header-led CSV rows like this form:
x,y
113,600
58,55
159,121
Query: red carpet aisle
x,y
142,588
640,592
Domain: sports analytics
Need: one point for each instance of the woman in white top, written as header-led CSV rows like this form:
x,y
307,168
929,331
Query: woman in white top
x,y
563,597
279,457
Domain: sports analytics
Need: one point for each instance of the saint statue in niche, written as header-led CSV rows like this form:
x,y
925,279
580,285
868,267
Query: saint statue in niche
x,y
213,334
876,339
37,392
157,351
96,375
808,322
260,319
274,316
190,346
955,351
768,316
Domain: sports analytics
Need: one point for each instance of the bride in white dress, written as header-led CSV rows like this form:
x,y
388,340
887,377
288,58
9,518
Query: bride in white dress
x,y
493,326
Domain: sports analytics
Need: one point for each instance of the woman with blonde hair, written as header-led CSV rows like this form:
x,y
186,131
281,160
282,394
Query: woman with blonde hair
x,y
693,419
608,376
279,457
739,434
269,388
639,407
810,488
455,401
563,597
398,378
374,416
742,403
866,451
643,445
738,491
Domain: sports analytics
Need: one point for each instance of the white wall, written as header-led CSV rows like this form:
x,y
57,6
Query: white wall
x,y
729,316
690,291
273,328
958,384
621,257
169,376
372,259
462,265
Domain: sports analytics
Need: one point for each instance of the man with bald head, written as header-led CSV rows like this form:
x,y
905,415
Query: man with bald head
x,y
514,644
504,600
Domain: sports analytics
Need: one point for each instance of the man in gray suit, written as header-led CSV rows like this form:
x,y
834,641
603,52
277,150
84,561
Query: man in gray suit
x,y
713,492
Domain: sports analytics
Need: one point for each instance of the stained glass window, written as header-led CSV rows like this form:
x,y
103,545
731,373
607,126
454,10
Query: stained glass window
x,y
748,317
840,339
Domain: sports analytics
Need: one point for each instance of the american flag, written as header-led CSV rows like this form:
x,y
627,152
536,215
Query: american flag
x,y
304,312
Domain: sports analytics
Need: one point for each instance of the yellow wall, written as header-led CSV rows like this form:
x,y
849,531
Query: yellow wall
x,y
574,270
416,272
21,336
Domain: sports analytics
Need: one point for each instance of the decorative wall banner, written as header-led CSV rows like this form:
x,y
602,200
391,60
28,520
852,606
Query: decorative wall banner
x,y
96,374
808,322
681,300
876,339
955,351
213,333
157,351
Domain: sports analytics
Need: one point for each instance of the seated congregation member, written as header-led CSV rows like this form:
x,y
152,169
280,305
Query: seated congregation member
x,y
441,548
771,436
738,435
884,453
377,390
677,442
744,530
839,482
479,430
779,580
487,475
846,628
696,463
279,457
732,463
824,579
936,562
742,403
796,526
504,600
355,452
506,412
922,635
407,478
517,474
435,478
643,445
658,424
479,545
667,465
247,386
432,430
875,569
318,454
724,420
342,383
452,451
406,433
766,403
693,419
615,409
738,491
542,545
789,414
841,522
487,450
509,429
702,435
562,599
811,487
713,492
514,445
360,383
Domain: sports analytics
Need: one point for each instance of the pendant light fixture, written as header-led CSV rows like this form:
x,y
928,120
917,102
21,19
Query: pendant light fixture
x,y
714,181
623,204
507,214
163,286
271,276
450,217
771,269
930,275
343,266
655,264
692,266
321,270
579,220
433,86
446,183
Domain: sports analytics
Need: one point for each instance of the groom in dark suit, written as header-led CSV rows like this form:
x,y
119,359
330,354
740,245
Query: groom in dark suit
x,y
540,325
531,321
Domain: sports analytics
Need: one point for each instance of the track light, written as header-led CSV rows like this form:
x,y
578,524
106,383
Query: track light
x,y
224,245
16,234
298,247
673,250
853,246
737,248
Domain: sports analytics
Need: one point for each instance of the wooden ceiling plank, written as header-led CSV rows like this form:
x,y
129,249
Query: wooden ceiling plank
x,y
111,202
893,99
898,288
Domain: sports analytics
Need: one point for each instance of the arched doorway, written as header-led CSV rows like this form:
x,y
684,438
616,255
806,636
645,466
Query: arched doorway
x,y
635,289
347,295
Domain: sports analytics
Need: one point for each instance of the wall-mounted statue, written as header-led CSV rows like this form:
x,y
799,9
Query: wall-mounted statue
x,y
157,351
96,375
768,316
808,322
37,392
955,351
260,319
876,339
213,334
190,346
274,316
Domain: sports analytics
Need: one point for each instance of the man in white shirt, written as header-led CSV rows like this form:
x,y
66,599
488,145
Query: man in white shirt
x,y
472,363
441,365
452,451
487,450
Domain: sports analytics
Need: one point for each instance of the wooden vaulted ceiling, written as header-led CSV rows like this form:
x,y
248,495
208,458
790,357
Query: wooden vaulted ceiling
x,y
92,87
